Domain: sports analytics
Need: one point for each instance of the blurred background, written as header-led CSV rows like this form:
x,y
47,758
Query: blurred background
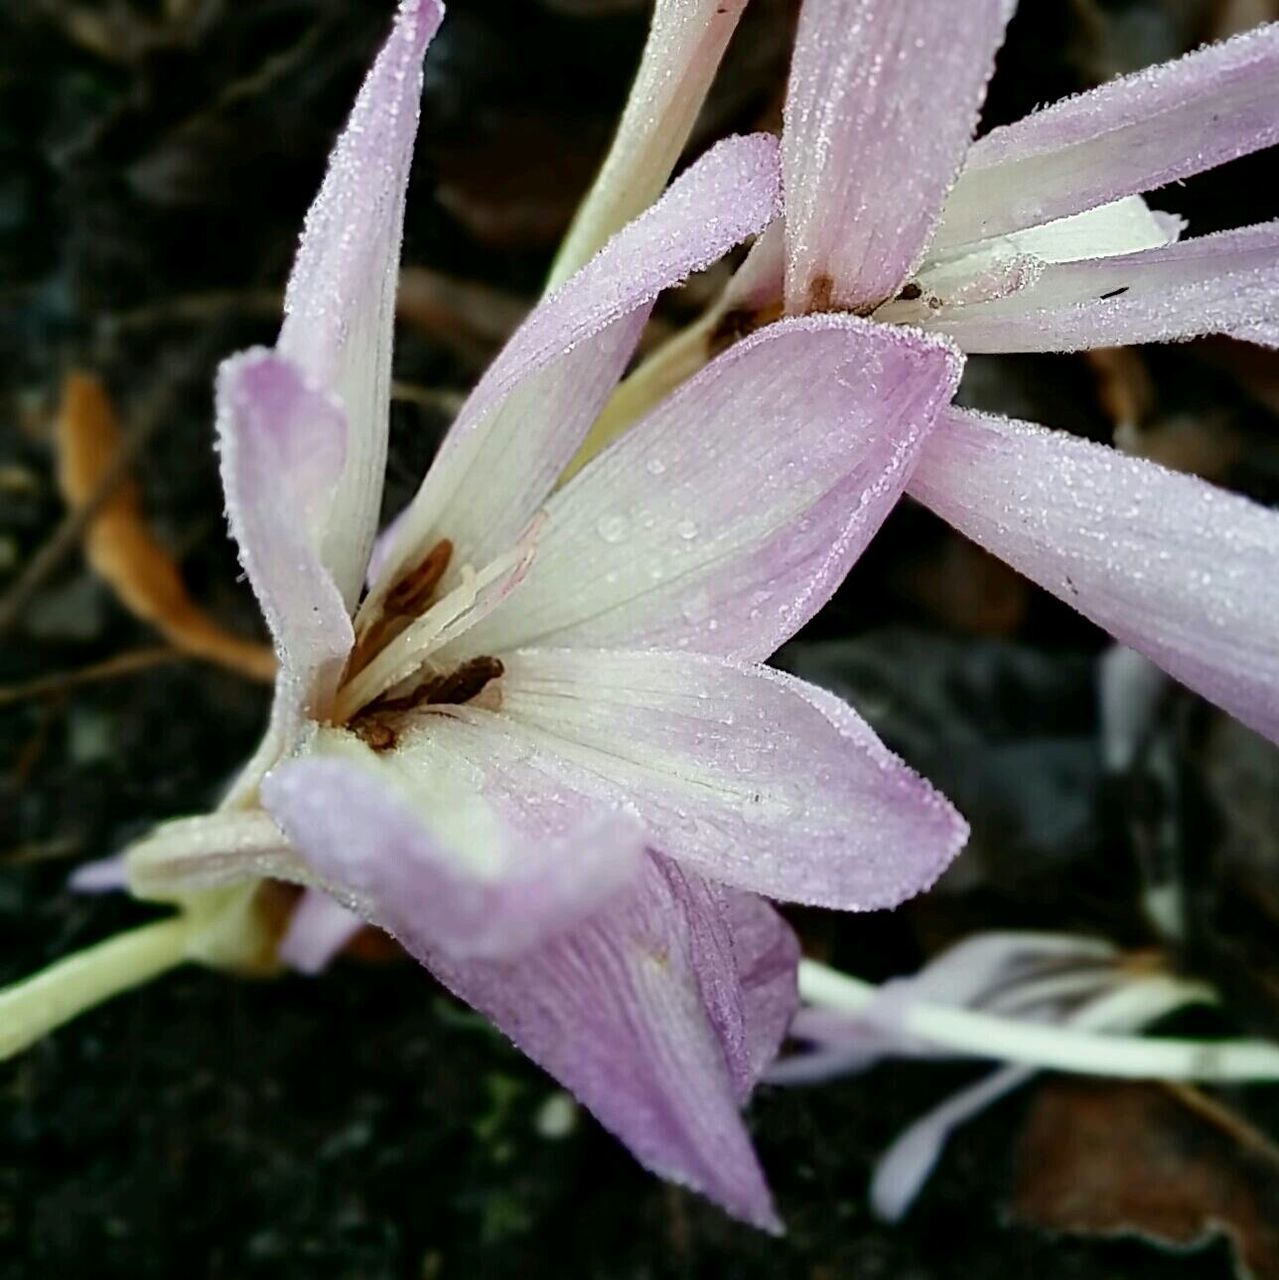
x,y
156,158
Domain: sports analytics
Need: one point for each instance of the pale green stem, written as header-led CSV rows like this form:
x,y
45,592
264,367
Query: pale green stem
x,y
1059,1048
41,1004
683,51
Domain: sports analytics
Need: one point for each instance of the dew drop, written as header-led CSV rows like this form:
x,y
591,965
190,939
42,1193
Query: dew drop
x,y
612,528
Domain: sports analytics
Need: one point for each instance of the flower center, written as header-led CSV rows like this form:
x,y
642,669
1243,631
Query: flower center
x,y
379,721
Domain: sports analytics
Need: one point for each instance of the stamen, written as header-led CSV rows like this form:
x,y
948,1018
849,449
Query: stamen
x,y
461,685
377,724
408,599
413,592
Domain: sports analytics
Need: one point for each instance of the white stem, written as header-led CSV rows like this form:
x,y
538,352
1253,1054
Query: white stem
x,y
986,1035
41,1004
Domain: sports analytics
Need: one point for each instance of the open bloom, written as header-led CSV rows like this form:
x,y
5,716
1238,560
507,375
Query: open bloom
x,y
1035,238
539,748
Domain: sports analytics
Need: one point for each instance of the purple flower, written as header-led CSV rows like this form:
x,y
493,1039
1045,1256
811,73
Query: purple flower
x,y
1036,238
540,748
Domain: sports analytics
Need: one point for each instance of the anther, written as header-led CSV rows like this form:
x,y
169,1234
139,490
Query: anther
x,y
413,592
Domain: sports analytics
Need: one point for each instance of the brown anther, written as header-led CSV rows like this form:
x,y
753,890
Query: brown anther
x,y
374,732
375,725
408,599
461,685
821,292
412,593
910,292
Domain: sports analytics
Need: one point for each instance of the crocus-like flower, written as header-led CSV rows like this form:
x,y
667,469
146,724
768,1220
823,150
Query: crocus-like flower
x,y
1034,999
1034,238
1044,244
540,749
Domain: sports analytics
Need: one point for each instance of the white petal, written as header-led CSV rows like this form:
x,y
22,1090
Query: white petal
x,y
726,518
531,410
739,773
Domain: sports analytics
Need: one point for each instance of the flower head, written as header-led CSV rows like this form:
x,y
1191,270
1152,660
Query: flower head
x,y
528,733
1034,238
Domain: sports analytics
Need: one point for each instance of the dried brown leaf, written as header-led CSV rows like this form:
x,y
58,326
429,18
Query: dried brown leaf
x,y
121,547
1165,1163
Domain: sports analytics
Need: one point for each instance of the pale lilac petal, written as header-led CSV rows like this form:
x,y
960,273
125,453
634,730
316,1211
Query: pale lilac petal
x,y
685,43
740,773
903,1169
728,517
747,964
615,1012
449,871
530,411
339,307
767,955
283,442
1264,335
1171,566
1132,135
318,930
881,105
102,875
1211,284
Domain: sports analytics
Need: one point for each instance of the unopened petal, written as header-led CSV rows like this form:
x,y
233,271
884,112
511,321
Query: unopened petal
x,y
881,105
616,1012
1171,566
1134,134
729,516
340,304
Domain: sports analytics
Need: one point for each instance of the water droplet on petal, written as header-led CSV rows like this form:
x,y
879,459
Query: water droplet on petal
x,y
612,528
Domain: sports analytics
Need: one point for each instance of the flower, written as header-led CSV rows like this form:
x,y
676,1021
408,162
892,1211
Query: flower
x,y
540,749
1034,238
1037,1000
